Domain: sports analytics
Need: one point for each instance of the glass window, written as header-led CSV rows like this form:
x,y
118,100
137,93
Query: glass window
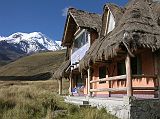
x,y
102,73
136,65
80,41
121,68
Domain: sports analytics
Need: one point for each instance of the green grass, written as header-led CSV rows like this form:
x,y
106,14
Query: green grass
x,y
29,100
34,64
39,100
88,113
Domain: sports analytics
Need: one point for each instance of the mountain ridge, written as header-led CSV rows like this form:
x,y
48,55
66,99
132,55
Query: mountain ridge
x,y
31,42
21,44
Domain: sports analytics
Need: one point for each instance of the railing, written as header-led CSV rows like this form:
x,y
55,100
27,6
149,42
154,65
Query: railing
x,y
153,77
114,78
144,76
123,77
108,89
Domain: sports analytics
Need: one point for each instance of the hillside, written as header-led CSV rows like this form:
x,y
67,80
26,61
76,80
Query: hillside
x,y
20,44
34,64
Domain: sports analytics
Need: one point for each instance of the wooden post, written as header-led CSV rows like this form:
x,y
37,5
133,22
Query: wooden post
x,y
70,84
128,75
88,82
109,83
157,70
60,86
89,79
156,81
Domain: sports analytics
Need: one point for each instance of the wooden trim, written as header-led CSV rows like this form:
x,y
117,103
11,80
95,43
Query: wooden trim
x,y
108,89
66,28
114,78
144,88
144,76
78,31
107,22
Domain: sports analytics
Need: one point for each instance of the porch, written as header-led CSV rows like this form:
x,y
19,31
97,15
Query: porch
x,y
113,105
123,108
130,83
117,87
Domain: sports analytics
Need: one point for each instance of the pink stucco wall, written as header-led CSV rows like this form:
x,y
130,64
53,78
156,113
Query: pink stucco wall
x,y
147,69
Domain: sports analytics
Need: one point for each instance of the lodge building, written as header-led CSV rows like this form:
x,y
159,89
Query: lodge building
x,y
113,54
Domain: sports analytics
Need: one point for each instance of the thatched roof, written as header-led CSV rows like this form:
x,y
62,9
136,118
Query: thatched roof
x,y
139,26
61,71
81,19
86,19
115,10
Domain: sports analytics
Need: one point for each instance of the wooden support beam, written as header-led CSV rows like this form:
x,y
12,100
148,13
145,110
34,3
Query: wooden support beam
x,y
144,76
108,89
128,75
144,88
114,78
103,61
60,86
67,44
109,83
89,79
156,82
70,83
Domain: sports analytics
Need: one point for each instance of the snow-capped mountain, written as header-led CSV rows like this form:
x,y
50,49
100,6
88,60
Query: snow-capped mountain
x,y
30,42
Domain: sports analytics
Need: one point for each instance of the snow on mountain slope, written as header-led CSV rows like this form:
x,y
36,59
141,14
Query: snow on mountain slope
x,y
59,43
31,42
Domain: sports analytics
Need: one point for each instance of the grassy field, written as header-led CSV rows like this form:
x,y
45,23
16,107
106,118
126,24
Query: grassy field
x,y
39,100
34,64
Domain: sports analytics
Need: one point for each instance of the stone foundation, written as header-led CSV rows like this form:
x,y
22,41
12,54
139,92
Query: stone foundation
x,y
145,109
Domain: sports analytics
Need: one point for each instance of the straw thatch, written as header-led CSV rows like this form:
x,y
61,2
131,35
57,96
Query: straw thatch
x,y
86,19
138,27
61,71
115,10
78,18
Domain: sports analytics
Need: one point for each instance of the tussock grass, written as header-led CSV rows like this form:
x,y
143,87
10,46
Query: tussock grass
x,y
88,113
30,100
39,100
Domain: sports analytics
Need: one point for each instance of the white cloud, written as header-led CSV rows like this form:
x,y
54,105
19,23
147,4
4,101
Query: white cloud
x,y
65,11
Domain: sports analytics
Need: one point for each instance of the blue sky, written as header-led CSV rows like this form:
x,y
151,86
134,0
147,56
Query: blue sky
x,y
46,16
